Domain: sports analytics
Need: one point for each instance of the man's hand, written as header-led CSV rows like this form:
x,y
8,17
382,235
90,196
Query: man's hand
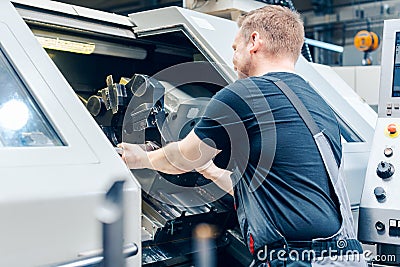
x,y
134,156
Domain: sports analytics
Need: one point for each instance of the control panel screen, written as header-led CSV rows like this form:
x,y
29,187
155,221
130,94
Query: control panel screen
x,y
396,68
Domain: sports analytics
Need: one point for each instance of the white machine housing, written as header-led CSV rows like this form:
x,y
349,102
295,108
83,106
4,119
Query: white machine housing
x,y
49,195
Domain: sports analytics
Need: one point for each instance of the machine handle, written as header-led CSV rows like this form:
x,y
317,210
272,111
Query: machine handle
x,y
130,250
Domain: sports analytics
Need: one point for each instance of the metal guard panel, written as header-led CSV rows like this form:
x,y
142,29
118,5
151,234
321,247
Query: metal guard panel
x,y
85,12
74,17
202,29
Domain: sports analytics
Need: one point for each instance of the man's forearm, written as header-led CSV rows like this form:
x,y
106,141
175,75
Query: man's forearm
x,y
163,160
167,160
220,177
175,158
224,182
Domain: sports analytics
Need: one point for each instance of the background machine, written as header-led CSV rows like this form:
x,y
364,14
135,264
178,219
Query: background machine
x,y
146,79
379,221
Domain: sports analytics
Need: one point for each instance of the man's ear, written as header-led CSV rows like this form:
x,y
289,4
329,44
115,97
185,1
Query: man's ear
x,y
255,42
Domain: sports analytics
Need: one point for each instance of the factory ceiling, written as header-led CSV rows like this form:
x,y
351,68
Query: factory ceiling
x,y
130,6
123,6
320,7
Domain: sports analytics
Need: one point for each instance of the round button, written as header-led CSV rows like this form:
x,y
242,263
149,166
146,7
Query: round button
x,y
392,129
380,193
379,226
388,152
385,170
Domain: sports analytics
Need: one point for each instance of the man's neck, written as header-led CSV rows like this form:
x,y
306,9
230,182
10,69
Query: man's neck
x,y
278,65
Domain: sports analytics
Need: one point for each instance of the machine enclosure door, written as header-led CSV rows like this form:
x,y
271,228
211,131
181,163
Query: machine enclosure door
x,y
49,194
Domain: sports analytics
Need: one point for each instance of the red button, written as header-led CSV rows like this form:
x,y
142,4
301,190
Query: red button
x,y
392,128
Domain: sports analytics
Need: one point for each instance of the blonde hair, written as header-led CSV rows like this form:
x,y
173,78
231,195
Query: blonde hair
x,y
281,28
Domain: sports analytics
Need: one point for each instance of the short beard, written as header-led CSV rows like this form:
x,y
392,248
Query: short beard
x,y
245,73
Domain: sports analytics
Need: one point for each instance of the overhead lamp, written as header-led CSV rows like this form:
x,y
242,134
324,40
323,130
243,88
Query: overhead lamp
x,y
90,46
14,115
66,45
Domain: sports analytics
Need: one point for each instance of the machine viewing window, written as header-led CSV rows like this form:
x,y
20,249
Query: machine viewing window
x,y
22,124
396,68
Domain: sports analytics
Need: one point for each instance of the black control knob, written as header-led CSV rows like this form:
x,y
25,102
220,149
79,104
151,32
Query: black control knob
x,y
385,170
379,226
380,193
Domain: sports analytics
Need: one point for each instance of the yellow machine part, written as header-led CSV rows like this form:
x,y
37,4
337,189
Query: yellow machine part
x,y
366,41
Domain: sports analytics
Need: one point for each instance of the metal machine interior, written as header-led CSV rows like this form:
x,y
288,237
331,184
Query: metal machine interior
x,y
143,110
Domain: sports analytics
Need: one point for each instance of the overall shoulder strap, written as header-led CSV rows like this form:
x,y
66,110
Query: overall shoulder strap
x,y
297,104
323,147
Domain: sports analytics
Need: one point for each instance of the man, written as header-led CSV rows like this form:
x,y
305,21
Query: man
x,y
284,196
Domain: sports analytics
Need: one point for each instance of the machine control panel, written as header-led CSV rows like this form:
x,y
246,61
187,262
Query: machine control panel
x,y
379,217
380,203
391,100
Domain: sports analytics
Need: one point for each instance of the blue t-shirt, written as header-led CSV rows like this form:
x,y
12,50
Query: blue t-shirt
x,y
256,127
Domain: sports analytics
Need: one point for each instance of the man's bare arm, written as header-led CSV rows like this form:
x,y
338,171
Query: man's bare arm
x,y
175,158
219,176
